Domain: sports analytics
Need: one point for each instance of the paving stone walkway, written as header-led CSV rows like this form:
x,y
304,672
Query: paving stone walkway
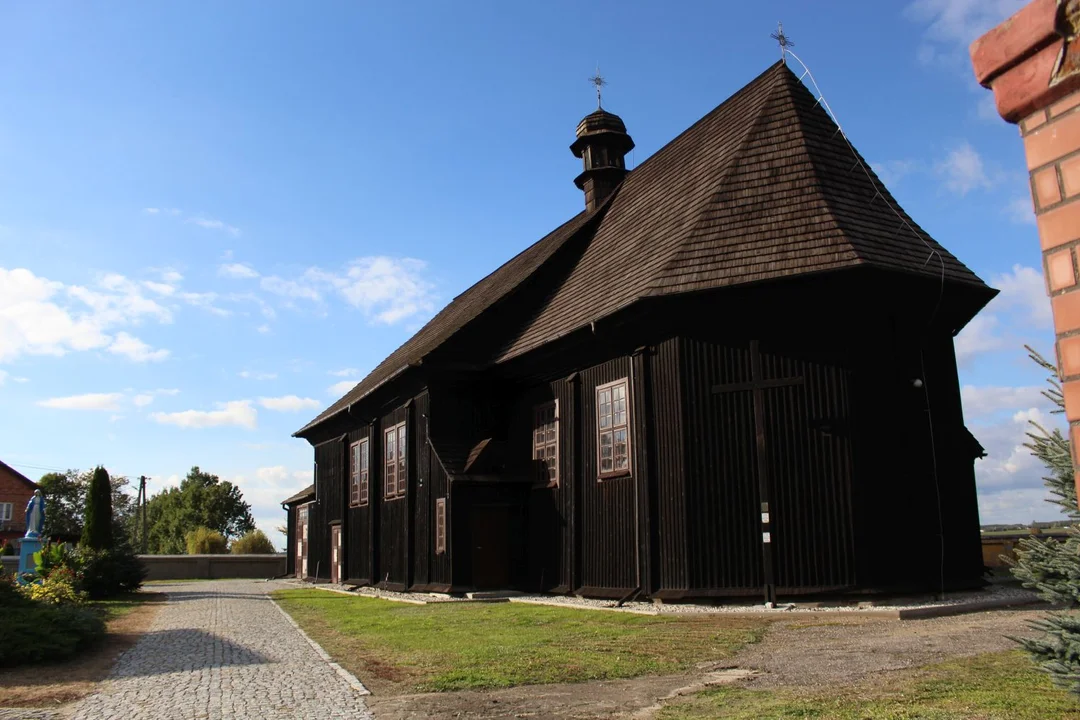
x,y
222,650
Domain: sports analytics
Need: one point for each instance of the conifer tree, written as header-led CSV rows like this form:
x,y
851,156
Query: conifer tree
x,y
1049,566
97,530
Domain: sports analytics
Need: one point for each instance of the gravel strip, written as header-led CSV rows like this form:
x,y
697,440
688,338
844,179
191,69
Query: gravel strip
x,y
993,595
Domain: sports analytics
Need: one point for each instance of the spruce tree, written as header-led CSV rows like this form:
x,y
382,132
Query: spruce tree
x,y
97,528
1052,567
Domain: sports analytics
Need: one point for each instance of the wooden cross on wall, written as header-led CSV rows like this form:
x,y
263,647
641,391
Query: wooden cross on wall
x,y
758,385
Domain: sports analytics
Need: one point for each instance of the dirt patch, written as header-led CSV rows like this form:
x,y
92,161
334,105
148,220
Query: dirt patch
x,y
599,699
836,650
49,686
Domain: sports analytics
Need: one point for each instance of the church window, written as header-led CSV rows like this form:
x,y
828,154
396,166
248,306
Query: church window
x,y
613,428
440,526
358,473
396,478
546,442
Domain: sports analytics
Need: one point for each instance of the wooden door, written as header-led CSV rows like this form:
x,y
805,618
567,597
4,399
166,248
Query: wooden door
x,y
490,526
336,554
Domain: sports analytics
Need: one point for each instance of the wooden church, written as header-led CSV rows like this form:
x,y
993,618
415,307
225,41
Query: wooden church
x,y
731,375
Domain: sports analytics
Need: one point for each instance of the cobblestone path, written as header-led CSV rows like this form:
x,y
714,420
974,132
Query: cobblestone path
x,y
222,650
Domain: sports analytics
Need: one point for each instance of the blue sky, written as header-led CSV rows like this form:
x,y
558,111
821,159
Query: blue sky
x,y
214,217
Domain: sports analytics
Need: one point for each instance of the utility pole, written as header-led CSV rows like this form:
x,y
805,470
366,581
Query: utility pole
x,y
142,501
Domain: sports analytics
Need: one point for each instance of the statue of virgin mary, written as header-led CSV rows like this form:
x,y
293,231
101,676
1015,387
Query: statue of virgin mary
x,y
35,516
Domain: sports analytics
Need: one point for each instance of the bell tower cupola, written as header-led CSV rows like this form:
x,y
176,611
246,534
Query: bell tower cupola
x,y
602,144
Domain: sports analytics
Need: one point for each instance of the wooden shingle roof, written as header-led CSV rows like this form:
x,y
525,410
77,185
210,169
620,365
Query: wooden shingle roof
x,y
763,187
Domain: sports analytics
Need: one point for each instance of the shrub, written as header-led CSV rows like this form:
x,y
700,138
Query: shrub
x,y
55,556
7,548
97,530
33,631
253,543
204,541
57,589
106,573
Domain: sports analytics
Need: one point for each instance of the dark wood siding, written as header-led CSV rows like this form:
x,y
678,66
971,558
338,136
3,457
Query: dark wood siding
x,y
722,509
330,498
290,540
808,465
420,496
608,514
358,520
393,522
667,493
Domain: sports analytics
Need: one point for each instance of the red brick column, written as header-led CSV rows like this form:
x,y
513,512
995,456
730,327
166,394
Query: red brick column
x,y
1032,63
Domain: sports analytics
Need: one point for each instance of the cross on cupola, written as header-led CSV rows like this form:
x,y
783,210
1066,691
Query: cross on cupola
x,y
602,143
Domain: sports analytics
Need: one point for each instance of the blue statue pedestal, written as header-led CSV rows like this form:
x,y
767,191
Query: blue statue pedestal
x,y
27,548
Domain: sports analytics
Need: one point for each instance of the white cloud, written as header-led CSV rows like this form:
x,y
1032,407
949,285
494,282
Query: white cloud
x,y
276,474
1023,290
892,171
952,25
135,349
264,328
345,372
237,270
171,276
205,301
307,476
340,388
1009,479
301,290
248,375
1022,303
979,336
89,401
387,290
237,412
44,317
145,398
212,224
960,22
988,400
289,403
964,170
160,288
1021,211
151,211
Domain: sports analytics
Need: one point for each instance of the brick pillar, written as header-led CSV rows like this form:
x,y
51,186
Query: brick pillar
x,y
1032,63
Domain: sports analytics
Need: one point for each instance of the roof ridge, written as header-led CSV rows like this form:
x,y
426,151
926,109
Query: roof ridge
x,y
817,155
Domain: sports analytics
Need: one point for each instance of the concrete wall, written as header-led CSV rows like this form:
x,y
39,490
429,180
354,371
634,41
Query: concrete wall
x,y
185,567
994,547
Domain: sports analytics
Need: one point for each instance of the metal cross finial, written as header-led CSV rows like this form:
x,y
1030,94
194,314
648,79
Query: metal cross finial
x,y
599,82
784,40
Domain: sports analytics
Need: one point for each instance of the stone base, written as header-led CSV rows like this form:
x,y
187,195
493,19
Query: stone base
x,y
27,548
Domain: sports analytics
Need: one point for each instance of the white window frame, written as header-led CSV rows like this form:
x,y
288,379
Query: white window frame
x,y
540,447
400,462
359,473
440,526
601,431
7,511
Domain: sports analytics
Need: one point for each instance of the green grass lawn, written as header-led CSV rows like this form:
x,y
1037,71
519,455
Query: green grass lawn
x,y
995,686
456,646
